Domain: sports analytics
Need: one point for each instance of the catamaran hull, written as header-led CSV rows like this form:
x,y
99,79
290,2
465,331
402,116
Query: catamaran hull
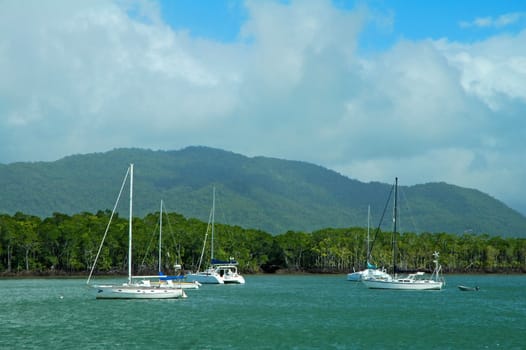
x,y
234,280
418,285
354,276
367,274
215,278
228,273
130,292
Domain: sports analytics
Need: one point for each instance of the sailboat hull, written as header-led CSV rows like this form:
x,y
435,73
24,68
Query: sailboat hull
x,y
181,285
403,285
137,292
175,282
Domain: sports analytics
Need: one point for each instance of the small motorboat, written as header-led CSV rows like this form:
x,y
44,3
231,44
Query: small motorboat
x,y
468,289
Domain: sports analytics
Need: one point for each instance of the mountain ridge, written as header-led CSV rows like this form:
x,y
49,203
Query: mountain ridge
x,y
270,194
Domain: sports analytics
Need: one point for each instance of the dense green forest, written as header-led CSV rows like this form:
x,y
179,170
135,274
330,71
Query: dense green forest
x,y
67,245
269,194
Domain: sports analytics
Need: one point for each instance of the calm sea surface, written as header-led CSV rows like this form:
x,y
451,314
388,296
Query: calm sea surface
x,y
269,312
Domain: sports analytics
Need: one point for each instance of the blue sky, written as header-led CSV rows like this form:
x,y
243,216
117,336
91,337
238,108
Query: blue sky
x,y
424,90
409,19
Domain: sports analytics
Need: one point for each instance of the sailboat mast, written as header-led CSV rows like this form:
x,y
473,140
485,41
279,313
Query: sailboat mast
x,y
395,215
368,229
130,226
213,215
160,232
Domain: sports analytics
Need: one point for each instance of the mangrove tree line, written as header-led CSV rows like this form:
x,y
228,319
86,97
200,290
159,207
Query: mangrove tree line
x,y
64,244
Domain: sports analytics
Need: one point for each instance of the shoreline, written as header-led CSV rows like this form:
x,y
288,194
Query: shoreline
x,y
77,275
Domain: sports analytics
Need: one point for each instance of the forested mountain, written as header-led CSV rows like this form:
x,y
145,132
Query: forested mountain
x,y
270,194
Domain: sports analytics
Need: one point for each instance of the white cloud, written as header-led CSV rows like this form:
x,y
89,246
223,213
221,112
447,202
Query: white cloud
x,y
88,69
80,77
495,22
494,70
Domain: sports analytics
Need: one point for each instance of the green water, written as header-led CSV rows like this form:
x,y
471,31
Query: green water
x,y
269,312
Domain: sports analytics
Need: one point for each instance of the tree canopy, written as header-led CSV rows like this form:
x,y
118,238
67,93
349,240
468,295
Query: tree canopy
x,y
64,244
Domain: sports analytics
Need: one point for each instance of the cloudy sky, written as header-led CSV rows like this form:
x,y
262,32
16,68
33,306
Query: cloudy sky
x,y
423,90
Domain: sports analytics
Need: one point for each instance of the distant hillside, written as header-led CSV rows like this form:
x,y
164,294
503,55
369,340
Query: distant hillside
x,y
270,194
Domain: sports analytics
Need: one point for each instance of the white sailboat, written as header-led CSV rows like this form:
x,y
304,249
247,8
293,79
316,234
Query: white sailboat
x,y
371,271
162,280
131,290
414,281
219,272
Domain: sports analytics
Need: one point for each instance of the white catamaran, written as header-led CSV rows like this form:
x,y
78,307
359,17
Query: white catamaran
x,y
130,289
371,270
414,281
219,272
